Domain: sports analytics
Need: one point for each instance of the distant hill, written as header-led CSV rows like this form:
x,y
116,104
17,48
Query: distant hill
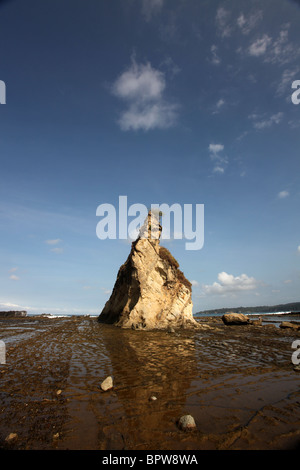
x,y
291,307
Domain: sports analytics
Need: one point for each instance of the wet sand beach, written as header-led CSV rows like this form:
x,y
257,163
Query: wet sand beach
x,y
238,382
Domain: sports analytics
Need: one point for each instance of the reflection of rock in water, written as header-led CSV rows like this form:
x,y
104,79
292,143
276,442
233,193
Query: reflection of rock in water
x,y
145,364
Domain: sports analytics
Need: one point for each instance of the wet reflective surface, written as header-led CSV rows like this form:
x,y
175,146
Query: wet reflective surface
x,y
237,382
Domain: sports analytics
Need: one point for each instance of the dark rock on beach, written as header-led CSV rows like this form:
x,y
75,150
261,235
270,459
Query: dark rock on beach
x,y
13,313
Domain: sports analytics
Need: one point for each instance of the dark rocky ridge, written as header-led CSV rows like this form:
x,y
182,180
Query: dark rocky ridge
x,y
13,313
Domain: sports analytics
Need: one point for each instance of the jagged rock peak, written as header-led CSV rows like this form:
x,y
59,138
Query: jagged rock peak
x,y
150,290
151,229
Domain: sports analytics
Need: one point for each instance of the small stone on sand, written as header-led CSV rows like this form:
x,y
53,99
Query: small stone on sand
x,y
11,437
187,423
153,398
107,384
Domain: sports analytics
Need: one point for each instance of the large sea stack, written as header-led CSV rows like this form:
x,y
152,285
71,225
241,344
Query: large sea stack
x,y
150,291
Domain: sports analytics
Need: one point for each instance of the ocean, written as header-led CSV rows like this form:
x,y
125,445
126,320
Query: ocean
x,y
267,317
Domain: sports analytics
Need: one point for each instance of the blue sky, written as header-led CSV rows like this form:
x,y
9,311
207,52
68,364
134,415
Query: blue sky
x,y
164,101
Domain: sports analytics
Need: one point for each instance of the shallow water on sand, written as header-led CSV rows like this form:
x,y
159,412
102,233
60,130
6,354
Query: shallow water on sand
x,y
237,382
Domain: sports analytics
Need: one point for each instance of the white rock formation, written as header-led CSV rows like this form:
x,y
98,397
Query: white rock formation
x,y
150,291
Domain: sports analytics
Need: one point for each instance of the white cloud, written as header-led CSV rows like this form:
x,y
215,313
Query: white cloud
x,y
288,76
142,88
241,21
11,305
218,169
216,148
231,284
275,51
282,51
259,47
148,117
298,249
106,291
220,103
283,194
57,250
246,24
14,277
223,22
274,119
140,83
242,135
220,161
260,122
215,57
151,7
218,106
53,242
195,283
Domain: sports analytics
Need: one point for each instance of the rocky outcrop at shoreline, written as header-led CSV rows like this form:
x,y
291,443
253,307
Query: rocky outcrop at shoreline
x,y
292,325
13,313
150,290
235,319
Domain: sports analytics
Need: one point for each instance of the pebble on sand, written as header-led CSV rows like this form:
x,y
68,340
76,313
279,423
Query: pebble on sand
x,y
187,423
11,437
107,384
152,398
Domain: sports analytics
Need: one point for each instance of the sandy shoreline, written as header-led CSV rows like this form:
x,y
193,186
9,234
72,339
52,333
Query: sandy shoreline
x,y
238,383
